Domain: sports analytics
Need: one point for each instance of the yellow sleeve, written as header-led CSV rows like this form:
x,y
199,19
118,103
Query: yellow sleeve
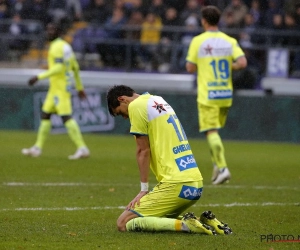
x,y
192,52
237,51
58,67
77,78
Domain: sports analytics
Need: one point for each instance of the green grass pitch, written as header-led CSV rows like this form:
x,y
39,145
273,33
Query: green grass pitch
x,y
53,203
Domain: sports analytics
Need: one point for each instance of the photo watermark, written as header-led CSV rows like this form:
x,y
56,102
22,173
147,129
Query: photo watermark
x,y
277,238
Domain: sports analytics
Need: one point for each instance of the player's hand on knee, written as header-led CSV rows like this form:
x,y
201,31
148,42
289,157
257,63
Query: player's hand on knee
x,y
136,200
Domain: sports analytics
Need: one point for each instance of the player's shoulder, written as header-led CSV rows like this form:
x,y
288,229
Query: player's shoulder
x,y
66,47
138,107
198,39
200,36
207,35
142,98
227,37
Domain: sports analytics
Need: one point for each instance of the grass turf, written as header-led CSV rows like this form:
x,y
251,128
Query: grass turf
x,y
53,203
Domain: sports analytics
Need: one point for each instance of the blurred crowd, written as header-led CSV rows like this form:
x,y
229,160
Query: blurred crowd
x,y
143,21
236,13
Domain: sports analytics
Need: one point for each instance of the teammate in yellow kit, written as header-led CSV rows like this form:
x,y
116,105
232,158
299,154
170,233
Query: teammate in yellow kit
x,y
63,66
213,55
162,146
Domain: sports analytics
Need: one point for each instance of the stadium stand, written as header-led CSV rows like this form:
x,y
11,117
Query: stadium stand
x,y
95,40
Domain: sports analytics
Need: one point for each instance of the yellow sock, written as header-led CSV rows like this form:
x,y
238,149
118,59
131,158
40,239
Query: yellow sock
x,y
217,149
74,133
43,133
154,224
212,158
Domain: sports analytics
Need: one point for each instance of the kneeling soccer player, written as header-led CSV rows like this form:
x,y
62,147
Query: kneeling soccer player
x,y
162,146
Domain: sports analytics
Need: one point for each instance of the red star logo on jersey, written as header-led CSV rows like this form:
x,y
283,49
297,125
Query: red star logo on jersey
x,y
159,107
208,49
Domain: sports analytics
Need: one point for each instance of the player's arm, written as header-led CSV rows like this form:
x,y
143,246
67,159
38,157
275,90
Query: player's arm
x,y
191,57
240,63
143,156
143,160
191,67
55,69
78,83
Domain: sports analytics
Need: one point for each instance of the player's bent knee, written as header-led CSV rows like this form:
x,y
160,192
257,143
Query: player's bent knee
x,y
122,229
121,225
124,218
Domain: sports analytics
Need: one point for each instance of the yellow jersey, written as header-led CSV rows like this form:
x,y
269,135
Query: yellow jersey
x,y
63,66
172,159
213,52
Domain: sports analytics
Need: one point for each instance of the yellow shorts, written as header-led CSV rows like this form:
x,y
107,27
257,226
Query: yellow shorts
x,y
211,117
169,199
58,103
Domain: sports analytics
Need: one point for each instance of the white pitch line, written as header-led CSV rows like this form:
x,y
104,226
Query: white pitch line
x,y
235,204
74,184
256,204
60,184
253,187
60,208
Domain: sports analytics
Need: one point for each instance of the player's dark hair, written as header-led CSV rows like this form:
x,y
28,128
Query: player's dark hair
x,y
211,14
112,96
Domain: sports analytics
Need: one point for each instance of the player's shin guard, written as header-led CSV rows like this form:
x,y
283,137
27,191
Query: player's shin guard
x,y
153,224
43,133
74,133
217,149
